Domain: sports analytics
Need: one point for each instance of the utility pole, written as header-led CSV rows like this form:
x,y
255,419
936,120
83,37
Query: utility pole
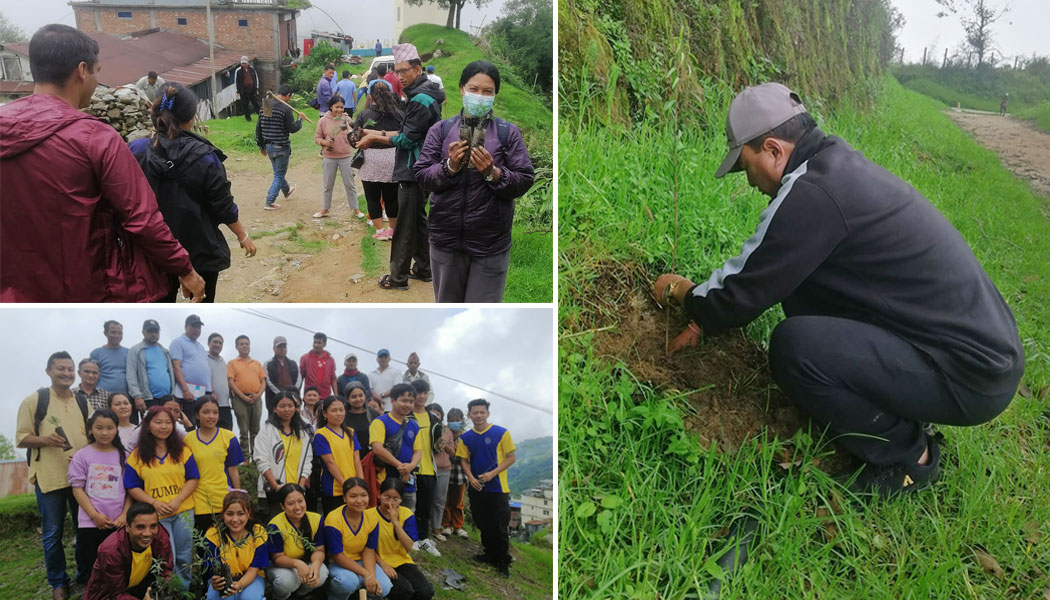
x,y
924,49
211,57
944,63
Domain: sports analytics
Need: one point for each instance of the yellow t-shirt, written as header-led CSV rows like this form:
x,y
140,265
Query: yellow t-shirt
x,y
162,479
389,425
213,458
293,449
351,539
250,551
50,471
426,463
140,564
390,549
285,538
341,445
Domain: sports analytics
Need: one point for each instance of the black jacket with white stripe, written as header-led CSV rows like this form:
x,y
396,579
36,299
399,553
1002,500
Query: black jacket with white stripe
x,y
846,238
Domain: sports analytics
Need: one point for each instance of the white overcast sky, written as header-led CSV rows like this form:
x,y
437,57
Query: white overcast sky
x,y
506,350
363,20
1021,31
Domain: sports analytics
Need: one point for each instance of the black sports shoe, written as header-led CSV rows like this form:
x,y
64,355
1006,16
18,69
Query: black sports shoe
x,y
503,569
889,481
483,558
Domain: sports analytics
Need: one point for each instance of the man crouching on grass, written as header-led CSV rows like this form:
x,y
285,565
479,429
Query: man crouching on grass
x,y
891,321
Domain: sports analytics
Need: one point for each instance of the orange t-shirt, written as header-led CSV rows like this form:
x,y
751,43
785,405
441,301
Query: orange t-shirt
x,y
247,375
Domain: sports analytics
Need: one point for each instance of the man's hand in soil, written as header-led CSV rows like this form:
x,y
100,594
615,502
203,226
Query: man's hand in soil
x,y
689,338
671,288
192,286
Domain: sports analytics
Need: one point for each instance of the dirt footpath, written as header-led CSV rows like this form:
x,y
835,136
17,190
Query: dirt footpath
x,y
319,262
1023,149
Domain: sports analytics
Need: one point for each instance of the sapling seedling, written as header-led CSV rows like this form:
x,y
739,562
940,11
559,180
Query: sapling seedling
x,y
61,432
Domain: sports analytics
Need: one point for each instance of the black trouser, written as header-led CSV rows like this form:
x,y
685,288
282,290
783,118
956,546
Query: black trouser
x,y
330,503
201,523
872,389
86,549
139,591
411,240
411,584
491,514
425,485
211,278
376,195
252,99
226,417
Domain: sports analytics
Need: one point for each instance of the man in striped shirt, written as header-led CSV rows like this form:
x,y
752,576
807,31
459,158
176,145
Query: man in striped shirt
x,y
271,135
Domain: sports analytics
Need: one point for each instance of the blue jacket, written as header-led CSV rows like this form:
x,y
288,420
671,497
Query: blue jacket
x,y
324,94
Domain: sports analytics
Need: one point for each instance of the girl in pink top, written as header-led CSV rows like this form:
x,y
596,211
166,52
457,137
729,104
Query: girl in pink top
x,y
331,135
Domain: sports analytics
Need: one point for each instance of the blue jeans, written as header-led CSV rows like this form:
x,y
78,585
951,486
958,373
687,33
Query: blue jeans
x,y
254,591
343,582
279,156
53,506
180,532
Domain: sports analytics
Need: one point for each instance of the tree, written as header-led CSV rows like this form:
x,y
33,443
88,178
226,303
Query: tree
x,y
7,449
524,37
977,18
454,7
9,32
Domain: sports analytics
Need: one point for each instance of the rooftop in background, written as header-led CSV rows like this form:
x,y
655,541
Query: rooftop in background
x,y
175,57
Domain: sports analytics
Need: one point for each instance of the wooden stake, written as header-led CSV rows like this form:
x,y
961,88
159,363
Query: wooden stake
x,y
297,111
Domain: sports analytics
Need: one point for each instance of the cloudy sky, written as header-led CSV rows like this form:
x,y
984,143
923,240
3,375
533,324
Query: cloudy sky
x,y
507,351
1021,31
363,20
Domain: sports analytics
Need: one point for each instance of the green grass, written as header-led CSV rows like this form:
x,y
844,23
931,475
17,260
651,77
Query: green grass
x,y
1038,115
643,505
530,277
372,260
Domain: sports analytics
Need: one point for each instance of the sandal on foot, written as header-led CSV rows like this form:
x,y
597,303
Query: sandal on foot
x,y
321,215
425,278
388,284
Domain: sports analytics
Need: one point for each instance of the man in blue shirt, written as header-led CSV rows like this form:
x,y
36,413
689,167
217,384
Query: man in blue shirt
x,y
149,371
189,364
112,362
324,88
346,89
379,48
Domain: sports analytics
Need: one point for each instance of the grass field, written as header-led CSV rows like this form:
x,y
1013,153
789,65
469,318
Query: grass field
x,y
645,503
1039,116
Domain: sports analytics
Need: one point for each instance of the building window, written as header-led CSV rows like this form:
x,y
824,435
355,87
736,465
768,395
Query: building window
x,y
180,20
545,503
546,512
242,22
12,68
124,14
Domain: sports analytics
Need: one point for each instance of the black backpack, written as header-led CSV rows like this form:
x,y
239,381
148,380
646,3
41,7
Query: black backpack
x,y
43,400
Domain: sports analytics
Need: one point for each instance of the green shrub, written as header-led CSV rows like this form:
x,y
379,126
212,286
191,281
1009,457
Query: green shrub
x,y
18,512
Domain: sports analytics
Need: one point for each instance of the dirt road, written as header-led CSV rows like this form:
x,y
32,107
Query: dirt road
x,y
1023,149
323,261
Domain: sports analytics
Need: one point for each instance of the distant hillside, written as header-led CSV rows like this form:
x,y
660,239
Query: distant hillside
x,y
535,461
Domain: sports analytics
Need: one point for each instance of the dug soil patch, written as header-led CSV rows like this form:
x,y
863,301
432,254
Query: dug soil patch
x,y
725,379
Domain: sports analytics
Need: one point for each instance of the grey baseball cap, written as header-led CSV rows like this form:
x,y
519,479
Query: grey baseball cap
x,y
753,112
277,341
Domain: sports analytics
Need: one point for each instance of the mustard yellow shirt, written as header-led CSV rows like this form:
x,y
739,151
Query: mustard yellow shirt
x,y
50,471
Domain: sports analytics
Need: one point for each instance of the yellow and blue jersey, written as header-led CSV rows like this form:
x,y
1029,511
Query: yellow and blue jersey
x,y
287,539
351,539
163,478
213,458
426,461
486,450
390,549
386,426
241,555
140,565
341,445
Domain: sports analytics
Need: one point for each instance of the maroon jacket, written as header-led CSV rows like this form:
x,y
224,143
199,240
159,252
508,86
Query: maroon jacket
x,y
80,222
109,576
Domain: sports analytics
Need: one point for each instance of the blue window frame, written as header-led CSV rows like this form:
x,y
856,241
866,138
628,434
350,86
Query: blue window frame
x,y
124,14
242,22
180,20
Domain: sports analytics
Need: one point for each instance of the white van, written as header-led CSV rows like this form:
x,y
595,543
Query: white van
x,y
387,60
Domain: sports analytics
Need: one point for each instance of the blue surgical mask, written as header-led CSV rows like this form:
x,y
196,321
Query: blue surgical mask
x,y
455,425
477,105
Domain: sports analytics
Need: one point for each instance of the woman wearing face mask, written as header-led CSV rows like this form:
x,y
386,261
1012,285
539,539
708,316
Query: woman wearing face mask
x,y
452,519
476,165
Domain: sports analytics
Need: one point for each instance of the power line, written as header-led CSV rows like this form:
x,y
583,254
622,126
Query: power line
x,y
261,315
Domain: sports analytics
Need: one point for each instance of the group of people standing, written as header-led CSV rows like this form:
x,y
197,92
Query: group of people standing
x,y
354,475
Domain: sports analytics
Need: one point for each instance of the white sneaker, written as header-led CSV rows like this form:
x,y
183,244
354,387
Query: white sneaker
x,y
437,536
447,531
430,547
462,533
415,546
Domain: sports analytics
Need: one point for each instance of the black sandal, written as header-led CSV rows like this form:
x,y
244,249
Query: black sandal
x,y
388,284
412,275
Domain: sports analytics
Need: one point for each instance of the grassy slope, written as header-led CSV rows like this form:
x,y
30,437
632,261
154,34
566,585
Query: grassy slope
x,y
1038,115
642,504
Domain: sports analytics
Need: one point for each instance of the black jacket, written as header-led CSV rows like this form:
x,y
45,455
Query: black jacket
x,y
238,79
422,110
193,194
846,238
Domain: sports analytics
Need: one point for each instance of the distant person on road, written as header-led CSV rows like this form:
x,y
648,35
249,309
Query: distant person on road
x,y
379,48
891,321
324,88
474,187
331,135
114,244
1002,105
272,136
186,173
247,81
151,85
410,249
347,89
382,113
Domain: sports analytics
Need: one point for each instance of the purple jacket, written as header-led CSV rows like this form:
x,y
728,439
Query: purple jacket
x,y
324,94
467,213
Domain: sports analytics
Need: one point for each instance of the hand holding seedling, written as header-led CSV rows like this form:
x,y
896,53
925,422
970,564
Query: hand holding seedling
x,y
671,288
53,440
482,160
456,151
